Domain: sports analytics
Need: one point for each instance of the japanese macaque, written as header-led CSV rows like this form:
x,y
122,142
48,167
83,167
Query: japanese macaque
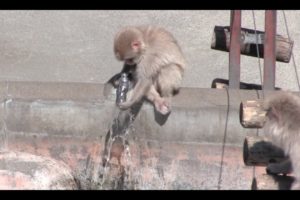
x,y
159,64
282,127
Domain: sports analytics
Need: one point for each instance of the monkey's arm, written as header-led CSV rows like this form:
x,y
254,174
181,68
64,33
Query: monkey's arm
x,y
140,89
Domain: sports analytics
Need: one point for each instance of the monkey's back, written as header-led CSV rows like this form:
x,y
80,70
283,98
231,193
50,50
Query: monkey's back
x,y
283,120
160,40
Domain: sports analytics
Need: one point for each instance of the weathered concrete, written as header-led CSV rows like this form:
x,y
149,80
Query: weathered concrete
x,y
71,123
76,45
23,171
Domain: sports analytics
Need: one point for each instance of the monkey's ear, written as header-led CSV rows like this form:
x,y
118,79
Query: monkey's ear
x,y
136,45
273,114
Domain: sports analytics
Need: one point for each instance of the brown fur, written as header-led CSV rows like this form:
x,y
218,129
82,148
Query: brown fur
x,y
283,128
159,60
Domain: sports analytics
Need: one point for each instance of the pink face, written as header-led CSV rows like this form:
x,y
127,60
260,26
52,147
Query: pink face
x,y
127,50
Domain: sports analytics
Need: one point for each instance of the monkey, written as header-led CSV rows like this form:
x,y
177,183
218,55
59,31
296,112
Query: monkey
x,y
159,64
282,127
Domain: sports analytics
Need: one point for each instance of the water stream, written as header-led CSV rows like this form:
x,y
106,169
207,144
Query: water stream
x,y
115,171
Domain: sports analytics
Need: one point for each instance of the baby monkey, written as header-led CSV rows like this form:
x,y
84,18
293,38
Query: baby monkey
x,y
283,128
159,64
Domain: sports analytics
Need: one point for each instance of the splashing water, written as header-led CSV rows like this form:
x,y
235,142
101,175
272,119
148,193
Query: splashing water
x,y
116,172
116,169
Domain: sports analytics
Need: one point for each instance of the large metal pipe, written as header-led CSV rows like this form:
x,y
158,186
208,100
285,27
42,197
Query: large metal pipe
x,y
181,151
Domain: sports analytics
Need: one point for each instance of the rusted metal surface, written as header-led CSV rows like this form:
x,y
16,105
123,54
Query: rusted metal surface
x,y
235,50
151,164
269,50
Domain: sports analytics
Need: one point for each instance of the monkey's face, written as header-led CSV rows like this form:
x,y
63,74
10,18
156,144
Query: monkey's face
x,y
128,46
129,56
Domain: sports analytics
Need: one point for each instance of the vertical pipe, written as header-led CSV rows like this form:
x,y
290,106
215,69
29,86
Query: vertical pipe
x,y
235,49
269,50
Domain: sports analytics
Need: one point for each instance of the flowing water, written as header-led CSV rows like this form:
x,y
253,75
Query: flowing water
x,y
116,169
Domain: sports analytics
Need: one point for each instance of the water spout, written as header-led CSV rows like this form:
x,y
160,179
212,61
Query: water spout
x,y
116,160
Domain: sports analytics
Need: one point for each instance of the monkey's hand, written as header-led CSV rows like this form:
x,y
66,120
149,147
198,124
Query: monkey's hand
x,y
162,106
125,105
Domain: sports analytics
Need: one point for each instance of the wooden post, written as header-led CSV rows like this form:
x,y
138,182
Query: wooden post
x,y
221,38
259,151
252,114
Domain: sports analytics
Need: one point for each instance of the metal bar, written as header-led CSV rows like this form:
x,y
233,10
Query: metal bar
x,y
235,50
269,50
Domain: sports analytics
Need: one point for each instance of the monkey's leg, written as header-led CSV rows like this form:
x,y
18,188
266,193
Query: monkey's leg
x,y
167,84
294,155
284,167
162,105
169,80
141,88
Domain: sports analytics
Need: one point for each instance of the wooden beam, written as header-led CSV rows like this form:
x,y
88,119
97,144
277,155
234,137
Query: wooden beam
x,y
252,114
221,41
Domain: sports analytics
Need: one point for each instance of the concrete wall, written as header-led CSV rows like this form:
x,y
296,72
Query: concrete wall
x,y
76,46
198,146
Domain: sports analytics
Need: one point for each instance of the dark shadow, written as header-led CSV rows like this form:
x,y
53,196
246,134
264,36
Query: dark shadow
x,y
159,118
261,153
284,182
254,184
243,85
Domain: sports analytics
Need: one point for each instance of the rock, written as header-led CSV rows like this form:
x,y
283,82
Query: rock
x,y
22,171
